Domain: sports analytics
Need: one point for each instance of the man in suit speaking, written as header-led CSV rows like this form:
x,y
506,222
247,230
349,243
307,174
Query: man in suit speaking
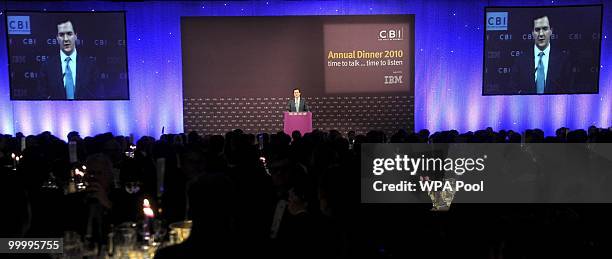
x,y
69,75
542,69
297,104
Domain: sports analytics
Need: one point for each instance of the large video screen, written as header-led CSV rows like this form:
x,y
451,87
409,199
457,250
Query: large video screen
x,y
355,72
542,50
67,55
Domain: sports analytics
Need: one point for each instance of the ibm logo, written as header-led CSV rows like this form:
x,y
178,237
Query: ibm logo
x,y
19,25
497,21
391,80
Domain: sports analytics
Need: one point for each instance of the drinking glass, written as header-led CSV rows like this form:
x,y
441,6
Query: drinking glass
x,y
125,239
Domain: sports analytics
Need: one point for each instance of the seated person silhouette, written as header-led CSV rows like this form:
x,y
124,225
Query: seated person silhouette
x,y
210,206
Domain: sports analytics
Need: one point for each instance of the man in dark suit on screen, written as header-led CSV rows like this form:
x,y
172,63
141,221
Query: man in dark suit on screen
x,y
68,75
297,104
542,69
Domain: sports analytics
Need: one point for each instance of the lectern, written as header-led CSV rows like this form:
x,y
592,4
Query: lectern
x,y
301,121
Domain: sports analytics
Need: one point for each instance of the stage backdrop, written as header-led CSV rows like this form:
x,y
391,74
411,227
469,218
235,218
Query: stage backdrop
x,y
354,72
448,71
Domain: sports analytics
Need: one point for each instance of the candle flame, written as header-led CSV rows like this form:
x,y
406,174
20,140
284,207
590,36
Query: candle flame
x,y
13,155
146,209
79,172
148,212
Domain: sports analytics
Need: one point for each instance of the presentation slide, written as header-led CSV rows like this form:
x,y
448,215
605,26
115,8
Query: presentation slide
x,y
542,50
357,63
67,55
353,71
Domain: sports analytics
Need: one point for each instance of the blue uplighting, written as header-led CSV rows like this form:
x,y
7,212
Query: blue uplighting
x,y
448,70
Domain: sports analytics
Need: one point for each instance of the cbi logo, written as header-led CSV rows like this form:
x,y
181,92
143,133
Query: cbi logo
x,y
529,36
53,41
18,59
391,34
497,21
29,75
19,25
493,54
579,36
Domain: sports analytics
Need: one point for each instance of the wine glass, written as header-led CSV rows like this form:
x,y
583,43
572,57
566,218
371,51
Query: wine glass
x,y
73,246
433,195
51,183
448,195
159,231
125,238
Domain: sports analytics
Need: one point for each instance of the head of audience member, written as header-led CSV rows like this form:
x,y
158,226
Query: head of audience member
x,y
333,193
193,161
401,136
74,136
296,135
593,131
577,136
112,149
216,143
211,206
376,136
241,150
99,176
514,137
144,146
100,169
298,199
193,137
424,135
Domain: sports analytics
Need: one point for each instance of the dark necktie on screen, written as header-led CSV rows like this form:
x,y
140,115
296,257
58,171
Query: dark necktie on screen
x,y
540,80
69,82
